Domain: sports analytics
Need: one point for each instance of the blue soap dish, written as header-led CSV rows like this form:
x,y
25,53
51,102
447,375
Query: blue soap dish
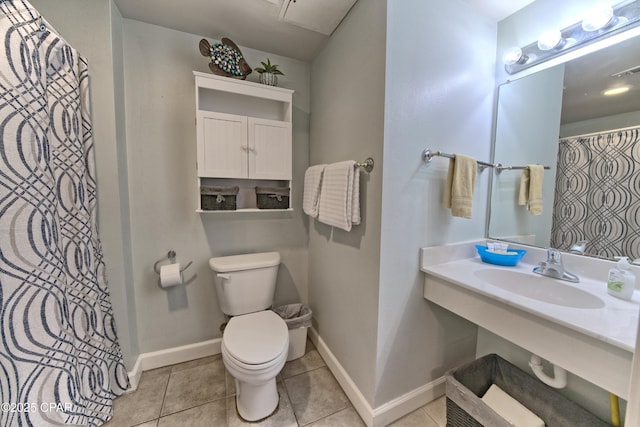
x,y
508,259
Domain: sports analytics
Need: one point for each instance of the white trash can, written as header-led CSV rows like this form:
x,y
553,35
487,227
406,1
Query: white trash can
x,y
298,319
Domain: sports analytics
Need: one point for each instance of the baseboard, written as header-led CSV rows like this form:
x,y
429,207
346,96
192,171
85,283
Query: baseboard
x,y
134,376
399,407
171,356
350,388
388,412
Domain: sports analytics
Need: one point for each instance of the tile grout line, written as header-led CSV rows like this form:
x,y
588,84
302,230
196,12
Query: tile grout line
x,y
286,390
327,416
305,372
164,395
190,408
171,372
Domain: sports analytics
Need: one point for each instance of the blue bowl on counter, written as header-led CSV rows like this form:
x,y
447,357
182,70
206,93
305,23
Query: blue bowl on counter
x,y
509,258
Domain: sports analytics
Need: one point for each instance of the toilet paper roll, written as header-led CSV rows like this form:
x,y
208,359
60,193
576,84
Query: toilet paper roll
x,y
170,275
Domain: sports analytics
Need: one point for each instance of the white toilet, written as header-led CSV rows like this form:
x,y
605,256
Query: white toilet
x,y
255,341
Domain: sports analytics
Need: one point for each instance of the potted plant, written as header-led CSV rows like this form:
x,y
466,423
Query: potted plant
x,y
268,73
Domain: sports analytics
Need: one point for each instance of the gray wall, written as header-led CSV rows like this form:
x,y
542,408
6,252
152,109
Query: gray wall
x,y
161,135
439,94
347,122
93,29
411,91
147,181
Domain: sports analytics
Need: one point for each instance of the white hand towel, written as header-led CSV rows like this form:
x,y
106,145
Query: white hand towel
x,y
312,185
340,196
510,409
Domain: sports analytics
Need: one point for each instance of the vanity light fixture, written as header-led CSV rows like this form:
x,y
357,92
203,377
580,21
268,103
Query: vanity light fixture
x,y
597,24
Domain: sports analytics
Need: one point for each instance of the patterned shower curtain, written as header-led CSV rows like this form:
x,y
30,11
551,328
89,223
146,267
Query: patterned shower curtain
x,y
598,193
60,360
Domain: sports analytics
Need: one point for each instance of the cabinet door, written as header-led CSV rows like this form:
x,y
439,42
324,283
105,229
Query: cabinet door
x,y
269,149
222,145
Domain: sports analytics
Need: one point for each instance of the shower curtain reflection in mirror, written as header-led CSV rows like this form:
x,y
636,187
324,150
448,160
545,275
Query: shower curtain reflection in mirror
x,y
60,359
598,193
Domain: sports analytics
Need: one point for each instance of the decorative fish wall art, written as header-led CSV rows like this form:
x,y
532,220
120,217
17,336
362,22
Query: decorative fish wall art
x,y
226,58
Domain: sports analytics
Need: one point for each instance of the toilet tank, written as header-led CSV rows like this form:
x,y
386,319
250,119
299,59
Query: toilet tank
x,y
245,283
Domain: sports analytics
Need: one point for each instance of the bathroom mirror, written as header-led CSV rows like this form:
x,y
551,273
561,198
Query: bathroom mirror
x,y
592,189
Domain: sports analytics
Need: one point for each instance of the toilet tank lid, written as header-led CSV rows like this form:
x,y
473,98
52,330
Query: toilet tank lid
x,y
226,264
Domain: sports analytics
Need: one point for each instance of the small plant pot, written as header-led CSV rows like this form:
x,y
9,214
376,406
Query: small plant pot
x,y
269,79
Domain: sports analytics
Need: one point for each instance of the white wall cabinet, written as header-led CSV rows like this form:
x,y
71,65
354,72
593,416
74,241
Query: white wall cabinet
x,y
244,136
233,146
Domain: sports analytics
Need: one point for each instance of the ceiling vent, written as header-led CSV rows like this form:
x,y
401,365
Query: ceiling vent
x,y
321,16
628,72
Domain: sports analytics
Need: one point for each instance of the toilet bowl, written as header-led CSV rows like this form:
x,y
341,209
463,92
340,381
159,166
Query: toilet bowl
x,y
254,350
255,341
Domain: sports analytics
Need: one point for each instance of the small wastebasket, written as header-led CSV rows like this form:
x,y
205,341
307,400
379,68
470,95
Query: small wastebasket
x,y
298,319
466,384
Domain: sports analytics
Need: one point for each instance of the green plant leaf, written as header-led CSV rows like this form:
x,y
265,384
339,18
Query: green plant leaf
x,y
268,67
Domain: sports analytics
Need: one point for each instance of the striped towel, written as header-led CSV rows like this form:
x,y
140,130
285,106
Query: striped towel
x,y
312,185
340,195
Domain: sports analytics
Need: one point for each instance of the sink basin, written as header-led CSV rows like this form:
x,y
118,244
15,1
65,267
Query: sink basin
x,y
540,288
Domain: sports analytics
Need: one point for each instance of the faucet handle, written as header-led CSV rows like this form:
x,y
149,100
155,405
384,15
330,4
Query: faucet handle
x,y
554,256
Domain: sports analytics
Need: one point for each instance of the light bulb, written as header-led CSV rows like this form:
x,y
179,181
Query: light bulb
x,y
598,18
513,56
550,40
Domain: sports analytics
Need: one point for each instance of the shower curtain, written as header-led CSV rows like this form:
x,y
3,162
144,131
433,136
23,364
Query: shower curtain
x,y
60,360
598,193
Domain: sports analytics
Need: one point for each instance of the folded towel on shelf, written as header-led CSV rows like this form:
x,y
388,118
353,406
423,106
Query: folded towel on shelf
x,y
510,409
339,204
530,193
461,181
311,194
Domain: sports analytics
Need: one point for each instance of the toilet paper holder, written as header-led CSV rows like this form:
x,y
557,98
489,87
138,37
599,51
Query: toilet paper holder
x,y
171,256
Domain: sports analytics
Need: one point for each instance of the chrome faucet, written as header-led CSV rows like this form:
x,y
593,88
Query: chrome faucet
x,y
553,267
579,247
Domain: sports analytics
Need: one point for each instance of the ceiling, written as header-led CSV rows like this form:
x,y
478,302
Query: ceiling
x,y
588,76
249,23
255,23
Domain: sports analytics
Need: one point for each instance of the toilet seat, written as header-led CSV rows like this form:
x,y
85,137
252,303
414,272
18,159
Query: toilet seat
x,y
256,340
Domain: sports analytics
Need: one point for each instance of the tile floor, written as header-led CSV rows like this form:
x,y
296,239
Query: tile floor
x,y
201,393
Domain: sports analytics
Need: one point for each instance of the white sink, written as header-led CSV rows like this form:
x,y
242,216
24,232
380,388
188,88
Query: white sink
x,y
576,326
541,288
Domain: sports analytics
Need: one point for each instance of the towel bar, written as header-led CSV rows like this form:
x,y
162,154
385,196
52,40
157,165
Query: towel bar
x,y
427,154
499,168
367,165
